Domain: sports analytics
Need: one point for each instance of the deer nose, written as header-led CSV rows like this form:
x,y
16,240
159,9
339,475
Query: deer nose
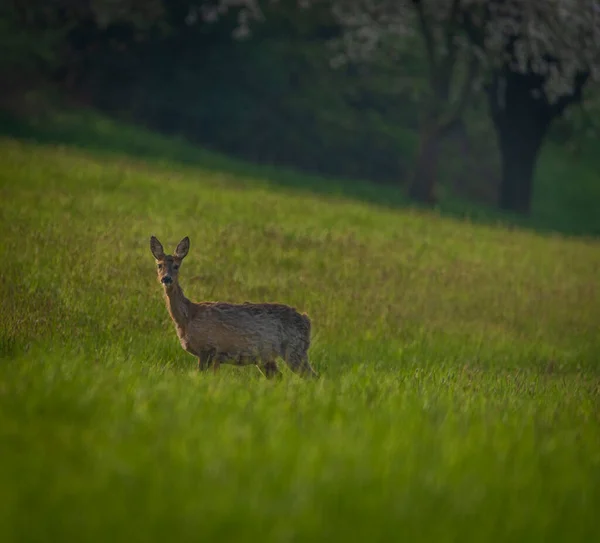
x,y
166,280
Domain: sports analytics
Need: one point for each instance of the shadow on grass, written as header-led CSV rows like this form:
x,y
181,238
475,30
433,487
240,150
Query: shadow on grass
x,y
90,131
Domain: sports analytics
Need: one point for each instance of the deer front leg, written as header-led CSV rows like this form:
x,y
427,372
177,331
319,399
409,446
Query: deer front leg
x,y
270,370
204,360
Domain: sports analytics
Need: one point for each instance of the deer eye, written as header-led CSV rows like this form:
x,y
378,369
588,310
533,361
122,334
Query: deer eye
x,y
176,266
159,266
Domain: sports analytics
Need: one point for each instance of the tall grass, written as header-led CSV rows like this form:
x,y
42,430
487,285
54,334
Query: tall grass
x,y
459,398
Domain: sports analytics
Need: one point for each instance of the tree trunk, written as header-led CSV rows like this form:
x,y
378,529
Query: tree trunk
x,y
423,183
519,150
521,120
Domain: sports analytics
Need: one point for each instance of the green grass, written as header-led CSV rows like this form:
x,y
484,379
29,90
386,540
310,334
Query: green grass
x,y
459,398
566,192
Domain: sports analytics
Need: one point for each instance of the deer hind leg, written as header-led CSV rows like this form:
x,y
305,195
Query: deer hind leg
x,y
298,362
269,369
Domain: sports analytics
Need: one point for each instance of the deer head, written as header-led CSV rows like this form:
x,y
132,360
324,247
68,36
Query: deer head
x,y
167,266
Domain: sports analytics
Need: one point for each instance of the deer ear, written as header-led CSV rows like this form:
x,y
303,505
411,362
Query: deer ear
x,y
156,248
183,248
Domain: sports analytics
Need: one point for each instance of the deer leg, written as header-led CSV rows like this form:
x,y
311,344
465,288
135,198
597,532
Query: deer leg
x,y
299,364
269,369
204,360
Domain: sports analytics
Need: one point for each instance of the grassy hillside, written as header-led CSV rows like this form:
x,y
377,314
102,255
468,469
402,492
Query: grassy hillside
x,y
459,398
566,196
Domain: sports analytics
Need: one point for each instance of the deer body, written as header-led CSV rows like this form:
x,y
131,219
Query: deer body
x,y
240,334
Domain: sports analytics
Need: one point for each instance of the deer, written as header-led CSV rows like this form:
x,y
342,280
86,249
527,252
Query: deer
x,y
241,334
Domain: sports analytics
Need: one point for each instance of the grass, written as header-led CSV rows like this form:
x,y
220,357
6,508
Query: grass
x,y
565,196
459,398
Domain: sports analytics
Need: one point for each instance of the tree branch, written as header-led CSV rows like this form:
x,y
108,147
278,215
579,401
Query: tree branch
x,y
574,97
446,69
466,92
452,19
429,43
475,30
468,86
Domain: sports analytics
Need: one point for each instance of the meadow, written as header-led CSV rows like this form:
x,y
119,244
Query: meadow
x,y
459,397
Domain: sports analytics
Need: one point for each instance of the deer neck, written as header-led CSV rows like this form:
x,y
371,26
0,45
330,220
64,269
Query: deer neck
x,y
178,306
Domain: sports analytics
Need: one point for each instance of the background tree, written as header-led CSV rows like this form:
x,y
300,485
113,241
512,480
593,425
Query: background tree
x,y
384,35
535,57
42,40
387,28
270,99
539,55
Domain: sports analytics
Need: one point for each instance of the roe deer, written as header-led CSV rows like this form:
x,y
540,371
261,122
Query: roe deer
x,y
240,334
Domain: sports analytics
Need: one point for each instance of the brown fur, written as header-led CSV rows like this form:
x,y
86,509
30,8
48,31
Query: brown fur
x,y
228,333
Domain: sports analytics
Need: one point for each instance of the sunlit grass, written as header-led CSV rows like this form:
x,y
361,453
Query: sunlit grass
x,y
459,398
